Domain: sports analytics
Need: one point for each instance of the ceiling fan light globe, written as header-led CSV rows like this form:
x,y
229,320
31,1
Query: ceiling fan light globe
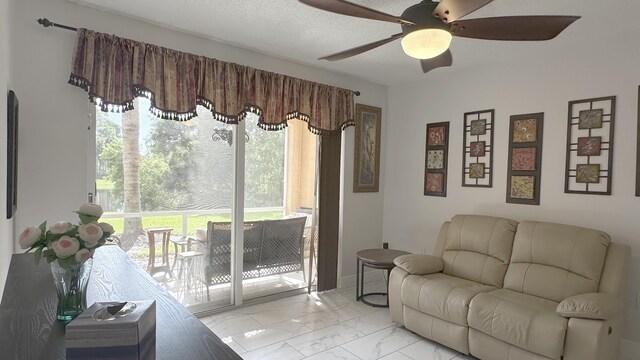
x,y
426,43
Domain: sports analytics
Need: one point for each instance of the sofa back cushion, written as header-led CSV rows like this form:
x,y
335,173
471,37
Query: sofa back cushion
x,y
555,261
478,248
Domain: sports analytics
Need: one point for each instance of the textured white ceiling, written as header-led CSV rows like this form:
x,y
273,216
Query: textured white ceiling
x,y
291,30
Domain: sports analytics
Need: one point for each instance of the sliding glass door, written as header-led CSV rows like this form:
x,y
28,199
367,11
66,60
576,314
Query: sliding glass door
x,y
216,213
278,195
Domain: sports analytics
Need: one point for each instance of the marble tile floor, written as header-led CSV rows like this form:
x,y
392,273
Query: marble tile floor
x,y
322,326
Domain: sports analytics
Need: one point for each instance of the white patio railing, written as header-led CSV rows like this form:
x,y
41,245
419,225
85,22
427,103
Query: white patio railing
x,y
185,214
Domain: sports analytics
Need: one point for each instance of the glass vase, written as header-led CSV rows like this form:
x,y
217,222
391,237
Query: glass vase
x,y
71,288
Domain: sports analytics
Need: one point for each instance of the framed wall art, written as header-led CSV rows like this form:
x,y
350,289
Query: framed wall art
x,y
366,170
477,154
12,154
589,160
525,159
436,158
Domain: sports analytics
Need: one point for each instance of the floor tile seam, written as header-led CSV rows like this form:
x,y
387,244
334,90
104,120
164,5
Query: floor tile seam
x,y
259,322
348,306
241,347
397,328
358,333
290,301
267,345
347,350
349,298
276,343
434,343
213,317
374,310
234,337
340,322
328,308
403,353
384,328
234,320
349,319
329,323
277,322
282,322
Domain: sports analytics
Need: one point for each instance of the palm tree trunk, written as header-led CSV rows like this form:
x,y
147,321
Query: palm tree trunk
x,y
131,172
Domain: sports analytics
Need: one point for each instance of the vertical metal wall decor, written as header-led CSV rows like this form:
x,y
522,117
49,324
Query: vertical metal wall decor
x,y
525,159
436,159
477,154
590,146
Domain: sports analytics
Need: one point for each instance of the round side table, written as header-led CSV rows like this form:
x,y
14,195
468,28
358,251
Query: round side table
x,y
375,259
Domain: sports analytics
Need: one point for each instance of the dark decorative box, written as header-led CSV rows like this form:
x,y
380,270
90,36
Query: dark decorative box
x,y
111,330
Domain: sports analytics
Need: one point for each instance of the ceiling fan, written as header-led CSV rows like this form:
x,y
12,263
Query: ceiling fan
x,y
428,27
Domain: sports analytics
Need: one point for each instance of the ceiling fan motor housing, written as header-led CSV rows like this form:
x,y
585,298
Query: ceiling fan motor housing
x,y
421,15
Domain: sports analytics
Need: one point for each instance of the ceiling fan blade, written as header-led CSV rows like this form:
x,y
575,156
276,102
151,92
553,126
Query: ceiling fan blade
x,y
451,10
515,28
351,9
442,60
360,49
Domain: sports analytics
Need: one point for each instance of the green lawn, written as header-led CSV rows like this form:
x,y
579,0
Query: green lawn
x,y
104,184
193,221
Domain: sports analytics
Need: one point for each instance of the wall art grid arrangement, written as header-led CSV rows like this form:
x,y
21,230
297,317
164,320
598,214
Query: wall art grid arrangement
x,y
525,159
477,154
589,160
436,159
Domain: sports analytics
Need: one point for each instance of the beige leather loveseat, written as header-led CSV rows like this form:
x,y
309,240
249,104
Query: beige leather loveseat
x,y
499,289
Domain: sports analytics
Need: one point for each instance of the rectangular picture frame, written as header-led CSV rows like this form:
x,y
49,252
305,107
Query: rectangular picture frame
x,y
366,168
436,159
477,149
12,153
524,168
589,160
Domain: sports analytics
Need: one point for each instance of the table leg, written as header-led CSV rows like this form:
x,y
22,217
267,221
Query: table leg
x,y
388,275
357,279
361,279
175,255
165,253
360,294
152,252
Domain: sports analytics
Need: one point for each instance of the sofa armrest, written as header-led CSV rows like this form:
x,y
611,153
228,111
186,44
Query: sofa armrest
x,y
597,306
419,264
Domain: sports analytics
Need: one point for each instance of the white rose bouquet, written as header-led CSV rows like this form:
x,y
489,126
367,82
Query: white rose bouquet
x,y
67,243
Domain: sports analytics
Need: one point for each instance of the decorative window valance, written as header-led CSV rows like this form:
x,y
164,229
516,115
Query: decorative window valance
x,y
114,71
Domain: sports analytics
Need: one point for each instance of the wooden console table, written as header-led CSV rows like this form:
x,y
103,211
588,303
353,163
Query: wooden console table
x,y
27,313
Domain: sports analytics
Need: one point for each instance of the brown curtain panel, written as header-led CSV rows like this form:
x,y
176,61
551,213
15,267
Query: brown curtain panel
x,y
329,208
114,71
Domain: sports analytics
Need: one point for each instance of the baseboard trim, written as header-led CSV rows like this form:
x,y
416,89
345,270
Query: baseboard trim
x,y
350,280
629,350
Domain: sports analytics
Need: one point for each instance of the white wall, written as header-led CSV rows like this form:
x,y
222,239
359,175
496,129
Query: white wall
x,y
564,71
6,226
53,134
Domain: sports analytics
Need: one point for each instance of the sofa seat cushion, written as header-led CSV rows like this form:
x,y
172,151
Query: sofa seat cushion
x,y
522,320
443,296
